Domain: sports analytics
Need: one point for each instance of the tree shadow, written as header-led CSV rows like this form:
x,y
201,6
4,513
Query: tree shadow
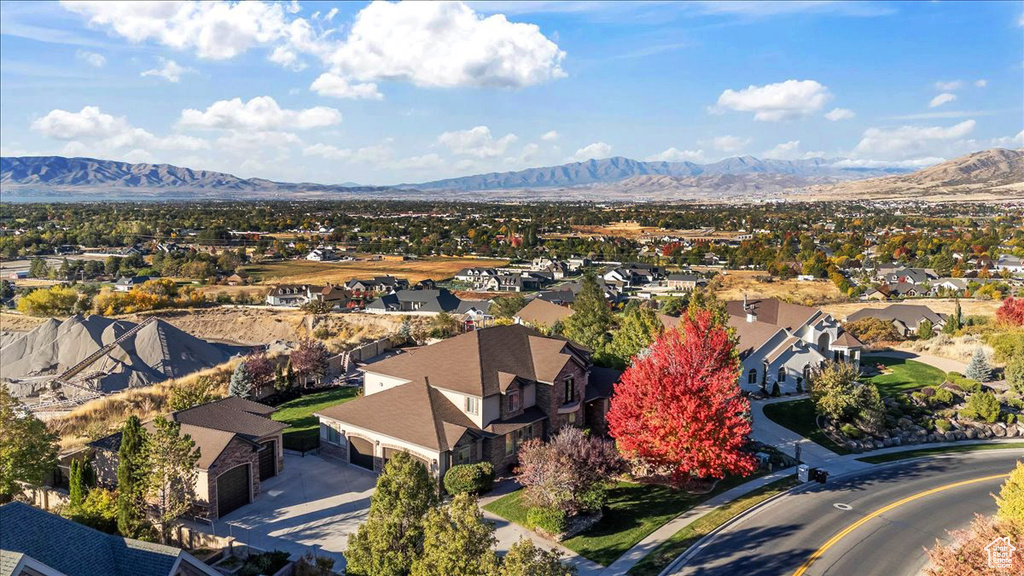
x,y
740,552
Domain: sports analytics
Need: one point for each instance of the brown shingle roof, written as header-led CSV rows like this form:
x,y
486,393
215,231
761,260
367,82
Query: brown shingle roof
x,y
542,313
781,349
246,418
752,335
848,340
470,363
773,311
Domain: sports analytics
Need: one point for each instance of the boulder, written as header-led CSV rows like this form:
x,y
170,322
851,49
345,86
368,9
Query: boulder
x,y
949,437
959,435
897,441
905,423
999,431
971,433
852,446
1012,431
887,442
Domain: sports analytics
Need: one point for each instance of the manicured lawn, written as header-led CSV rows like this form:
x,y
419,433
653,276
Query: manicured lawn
x,y
633,511
799,417
305,428
663,555
906,375
879,459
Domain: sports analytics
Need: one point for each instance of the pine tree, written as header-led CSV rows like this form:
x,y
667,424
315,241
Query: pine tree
x,y
132,470
955,320
925,330
173,472
76,485
979,368
241,383
591,317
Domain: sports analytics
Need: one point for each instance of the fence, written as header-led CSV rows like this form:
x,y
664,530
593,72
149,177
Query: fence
x,y
340,363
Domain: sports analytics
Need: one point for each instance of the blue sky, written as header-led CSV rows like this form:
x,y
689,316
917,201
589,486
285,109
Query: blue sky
x,y
386,93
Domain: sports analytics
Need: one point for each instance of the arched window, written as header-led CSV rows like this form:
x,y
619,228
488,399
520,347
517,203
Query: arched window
x,y
752,376
807,372
782,374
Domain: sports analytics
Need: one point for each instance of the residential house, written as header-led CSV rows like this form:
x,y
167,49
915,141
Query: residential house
x,y
321,255
514,282
949,285
685,282
416,301
541,313
578,264
127,283
909,276
239,447
34,542
1013,264
475,397
291,294
905,317
475,276
564,297
237,279
785,343
378,284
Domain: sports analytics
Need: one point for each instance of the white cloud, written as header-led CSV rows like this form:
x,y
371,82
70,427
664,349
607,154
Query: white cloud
x,y
170,71
1009,141
328,84
597,150
375,155
94,132
444,45
331,14
258,142
476,142
941,99
549,136
949,86
780,101
730,143
259,114
908,141
915,163
424,162
981,83
91,58
327,151
676,155
784,151
840,114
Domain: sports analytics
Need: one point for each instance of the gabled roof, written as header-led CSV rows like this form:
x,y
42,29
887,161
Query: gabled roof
x,y
77,550
413,412
909,314
773,311
470,363
752,335
248,419
540,312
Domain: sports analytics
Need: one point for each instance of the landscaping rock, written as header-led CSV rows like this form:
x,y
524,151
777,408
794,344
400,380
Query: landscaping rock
x,y
905,423
949,436
959,434
897,441
887,442
971,433
999,431
1012,431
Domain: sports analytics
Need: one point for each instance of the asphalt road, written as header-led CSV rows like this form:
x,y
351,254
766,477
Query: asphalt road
x,y
895,513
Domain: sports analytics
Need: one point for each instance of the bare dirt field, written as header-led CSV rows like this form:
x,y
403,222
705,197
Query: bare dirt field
x,y
635,230
305,271
940,305
18,322
736,283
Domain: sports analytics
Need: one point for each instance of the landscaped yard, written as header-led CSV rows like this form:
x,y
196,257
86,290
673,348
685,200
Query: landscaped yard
x,y
905,375
892,456
799,417
660,557
633,511
304,427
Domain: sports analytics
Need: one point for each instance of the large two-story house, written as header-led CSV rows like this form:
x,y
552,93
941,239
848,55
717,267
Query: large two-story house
x,y
475,397
785,343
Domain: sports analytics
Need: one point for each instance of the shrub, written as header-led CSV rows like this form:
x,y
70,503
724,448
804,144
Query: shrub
x,y
1007,345
776,392
979,368
98,510
1015,374
943,425
850,431
1010,418
263,563
550,520
873,330
835,391
469,478
563,473
981,406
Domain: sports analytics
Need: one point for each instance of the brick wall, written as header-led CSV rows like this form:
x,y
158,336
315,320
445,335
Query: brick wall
x,y
237,452
594,413
551,397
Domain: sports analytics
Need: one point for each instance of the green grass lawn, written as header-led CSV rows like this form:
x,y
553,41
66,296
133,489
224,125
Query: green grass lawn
x,y
660,557
633,511
879,459
906,375
799,417
298,413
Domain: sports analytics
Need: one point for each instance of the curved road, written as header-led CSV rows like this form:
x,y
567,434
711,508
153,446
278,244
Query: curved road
x,y
886,518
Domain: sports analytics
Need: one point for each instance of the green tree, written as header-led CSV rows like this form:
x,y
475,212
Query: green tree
x,y
1011,497
98,510
955,320
77,489
37,268
456,540
705,299
925,330
200,391
53,301
979,369
675,305
981,406
132,469
28,451
638,328
443,325
508,306
392,536
173,472
870,409
1015,374
591,317
240,384
526,559
834,391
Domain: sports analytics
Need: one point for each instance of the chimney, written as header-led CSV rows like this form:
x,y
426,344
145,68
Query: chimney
x,y
751,311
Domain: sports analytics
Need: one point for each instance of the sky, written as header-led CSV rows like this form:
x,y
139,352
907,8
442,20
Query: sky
x,y
386,93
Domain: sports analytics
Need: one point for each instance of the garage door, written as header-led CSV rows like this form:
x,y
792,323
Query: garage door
x,y
360,452
232,489
268,460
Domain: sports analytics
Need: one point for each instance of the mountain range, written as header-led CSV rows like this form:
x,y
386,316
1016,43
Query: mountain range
x,y
618,178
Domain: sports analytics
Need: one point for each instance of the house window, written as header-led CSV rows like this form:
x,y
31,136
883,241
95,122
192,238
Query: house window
x,y
782,374
752,376
464,455
513,400
570,389
807,372
514,439
472,405
333,436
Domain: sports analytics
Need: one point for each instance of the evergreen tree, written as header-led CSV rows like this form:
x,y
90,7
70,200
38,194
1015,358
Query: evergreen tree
x,y
457,540
591,317
173,472
638,328
392,536
526,559
241,383
280,382
132,469
1011,497
955,320
76,485
28,450
925,330
979,369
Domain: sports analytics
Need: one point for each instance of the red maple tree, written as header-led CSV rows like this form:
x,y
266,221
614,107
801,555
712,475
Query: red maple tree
x,y
680,406
1011,311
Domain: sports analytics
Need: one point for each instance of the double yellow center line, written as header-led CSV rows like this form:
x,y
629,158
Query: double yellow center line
x,y
832,541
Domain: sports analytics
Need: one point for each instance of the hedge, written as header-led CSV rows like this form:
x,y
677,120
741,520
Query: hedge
x,y
551,520
469,478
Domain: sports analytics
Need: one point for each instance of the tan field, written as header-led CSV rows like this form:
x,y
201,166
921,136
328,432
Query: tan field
x,y
940,305
737,283
18,322
305,271
635,230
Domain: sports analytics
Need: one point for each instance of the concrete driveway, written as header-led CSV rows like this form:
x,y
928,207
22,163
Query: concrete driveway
x,y
315,503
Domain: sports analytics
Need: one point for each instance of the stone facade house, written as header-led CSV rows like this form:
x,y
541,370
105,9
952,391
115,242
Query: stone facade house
x,y
475,397
785,343
239,447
